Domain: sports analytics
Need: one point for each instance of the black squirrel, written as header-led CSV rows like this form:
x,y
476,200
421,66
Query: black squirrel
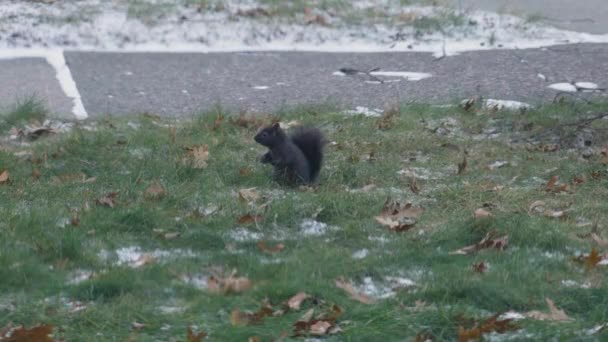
x,y
295,158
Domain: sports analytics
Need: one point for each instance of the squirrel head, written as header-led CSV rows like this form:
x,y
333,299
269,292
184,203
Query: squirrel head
x,y
270,136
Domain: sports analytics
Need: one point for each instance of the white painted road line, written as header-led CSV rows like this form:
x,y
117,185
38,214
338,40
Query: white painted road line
x,y
56,59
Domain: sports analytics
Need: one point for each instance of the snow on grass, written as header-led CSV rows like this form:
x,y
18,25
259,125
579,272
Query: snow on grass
x,y
360,110
134,256
109,25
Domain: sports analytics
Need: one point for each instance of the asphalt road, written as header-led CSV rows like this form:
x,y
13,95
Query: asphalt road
x,y
181,84
177,84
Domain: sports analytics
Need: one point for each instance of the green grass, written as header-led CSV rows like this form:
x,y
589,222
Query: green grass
x,y
40,250
24,111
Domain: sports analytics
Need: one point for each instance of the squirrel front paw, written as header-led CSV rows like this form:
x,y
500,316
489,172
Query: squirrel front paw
x,y
266,158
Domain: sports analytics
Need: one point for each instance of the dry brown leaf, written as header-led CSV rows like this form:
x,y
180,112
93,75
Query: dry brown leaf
x,y
322,325
462,166
320,328
270,249
490,325
4,177
554,314
244,172
248,219
295,302
553,186
486,243
599,240
227,285
75,220
218,121
539,208
192,337
108,200
39,333
480,267
143,259
424,337
591,260
254,339
414,186
154,192
240,318
348,287
481,213
196,156
77,177
249,195
397,217
36,173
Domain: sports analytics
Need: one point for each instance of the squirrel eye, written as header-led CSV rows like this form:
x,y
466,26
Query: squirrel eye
x,y
264,134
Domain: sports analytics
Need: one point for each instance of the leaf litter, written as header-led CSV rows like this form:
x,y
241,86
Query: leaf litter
x,y
397,217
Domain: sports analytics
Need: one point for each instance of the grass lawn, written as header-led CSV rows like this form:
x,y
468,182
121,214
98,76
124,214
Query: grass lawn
x,y
132,229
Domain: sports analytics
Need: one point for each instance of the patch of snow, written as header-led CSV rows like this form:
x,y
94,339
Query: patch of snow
x,y
514,315
134,257
338,73
79,276
505,104
140,153
541,76
198,280
133,125
169,310
586,85
497,164
386,289
564,86
380,239
361,254
241,234
596,329
185,28
364,111
260,87
410,76
573,283
312,227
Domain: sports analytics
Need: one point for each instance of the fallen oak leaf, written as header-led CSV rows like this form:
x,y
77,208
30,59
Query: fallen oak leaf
x,y
591,260
599,240
486,243
241,318
39,333
248,219
227,285
482,213
249,195
295,302
4,177
397,217
192,337
274,249
480,267
154,192
489,325
554,314
108,200
348,287
462,165
196,156
553,186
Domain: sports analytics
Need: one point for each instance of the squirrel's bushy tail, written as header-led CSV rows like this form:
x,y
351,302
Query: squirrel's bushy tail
x,y
310,141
